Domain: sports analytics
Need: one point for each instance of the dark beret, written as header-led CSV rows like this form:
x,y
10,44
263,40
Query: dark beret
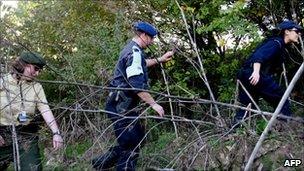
x,y
285,25
33,58
146,28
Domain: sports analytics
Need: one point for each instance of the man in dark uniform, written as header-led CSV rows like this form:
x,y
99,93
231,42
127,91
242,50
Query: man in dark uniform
x,y
256,72
130,72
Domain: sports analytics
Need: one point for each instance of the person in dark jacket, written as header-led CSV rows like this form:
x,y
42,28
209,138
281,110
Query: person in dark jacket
x,y
130,72
256,73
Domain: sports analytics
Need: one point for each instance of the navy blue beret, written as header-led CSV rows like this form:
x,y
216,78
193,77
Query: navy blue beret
x,y
33,58
146,28
285,25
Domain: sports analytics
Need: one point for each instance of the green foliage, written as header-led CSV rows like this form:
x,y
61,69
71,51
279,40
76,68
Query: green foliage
x,y
73,152
260,126
77,149
81,41
160,143
155,147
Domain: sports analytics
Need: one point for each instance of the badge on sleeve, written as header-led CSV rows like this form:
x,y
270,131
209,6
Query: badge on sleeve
x,y
135,68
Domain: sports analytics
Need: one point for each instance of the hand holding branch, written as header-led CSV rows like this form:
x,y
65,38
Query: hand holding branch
x,y
166,57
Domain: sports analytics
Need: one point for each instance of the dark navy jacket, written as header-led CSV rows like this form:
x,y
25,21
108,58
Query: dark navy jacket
x,y
269,54
131,69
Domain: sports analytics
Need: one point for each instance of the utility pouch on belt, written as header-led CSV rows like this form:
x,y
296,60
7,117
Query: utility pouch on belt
x,y
22,117
123,102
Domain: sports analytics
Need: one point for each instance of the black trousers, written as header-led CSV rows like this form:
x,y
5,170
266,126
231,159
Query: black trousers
x,y
266,88
129,131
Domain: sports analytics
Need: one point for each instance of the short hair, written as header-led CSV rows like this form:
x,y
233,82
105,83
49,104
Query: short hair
x,y
145,27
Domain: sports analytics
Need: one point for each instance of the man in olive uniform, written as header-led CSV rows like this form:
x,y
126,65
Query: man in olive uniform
x,y
20,96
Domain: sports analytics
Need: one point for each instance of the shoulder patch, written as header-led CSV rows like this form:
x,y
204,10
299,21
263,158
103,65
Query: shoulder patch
x,y
135,68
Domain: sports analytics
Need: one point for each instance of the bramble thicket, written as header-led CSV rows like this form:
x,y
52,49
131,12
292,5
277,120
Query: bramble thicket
x,y
81,41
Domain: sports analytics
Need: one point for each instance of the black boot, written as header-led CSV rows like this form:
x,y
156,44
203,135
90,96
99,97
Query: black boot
x,y
105,161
